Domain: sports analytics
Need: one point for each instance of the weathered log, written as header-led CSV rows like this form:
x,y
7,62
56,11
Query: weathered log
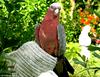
x,y
30,60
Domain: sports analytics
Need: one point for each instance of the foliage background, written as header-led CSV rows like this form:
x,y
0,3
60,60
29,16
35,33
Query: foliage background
x,y
19,17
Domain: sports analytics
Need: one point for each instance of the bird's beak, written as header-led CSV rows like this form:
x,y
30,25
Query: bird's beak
x,y
57,11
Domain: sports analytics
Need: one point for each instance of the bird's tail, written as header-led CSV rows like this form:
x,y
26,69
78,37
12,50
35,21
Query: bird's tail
x,y
68,66
63,67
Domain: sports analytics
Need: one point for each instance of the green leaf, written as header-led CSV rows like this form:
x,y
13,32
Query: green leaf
x,y
79,62
96,69
6,50
96,55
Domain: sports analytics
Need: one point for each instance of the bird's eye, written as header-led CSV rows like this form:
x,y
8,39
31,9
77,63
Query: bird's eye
x,y
52,7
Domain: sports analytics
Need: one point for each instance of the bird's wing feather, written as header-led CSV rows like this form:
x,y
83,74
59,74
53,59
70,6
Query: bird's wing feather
x,y
61,39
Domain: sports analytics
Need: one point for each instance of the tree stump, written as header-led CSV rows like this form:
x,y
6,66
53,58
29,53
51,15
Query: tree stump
x,y
30,60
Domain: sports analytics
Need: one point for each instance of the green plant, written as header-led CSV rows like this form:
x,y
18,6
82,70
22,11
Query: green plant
x,y
5,69
83,67
71,50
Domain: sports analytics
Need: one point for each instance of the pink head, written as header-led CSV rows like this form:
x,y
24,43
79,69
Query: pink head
x,y
53,11
55,7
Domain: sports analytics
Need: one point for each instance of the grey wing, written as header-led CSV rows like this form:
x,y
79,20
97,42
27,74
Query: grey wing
x,y
61,39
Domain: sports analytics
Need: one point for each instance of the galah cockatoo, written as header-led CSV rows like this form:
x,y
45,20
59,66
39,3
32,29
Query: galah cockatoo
x,y
50,36
85,41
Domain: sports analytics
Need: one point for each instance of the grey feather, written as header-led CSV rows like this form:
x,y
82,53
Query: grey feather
x,y
61,39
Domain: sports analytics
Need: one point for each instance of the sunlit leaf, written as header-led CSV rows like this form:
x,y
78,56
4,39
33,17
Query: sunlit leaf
x,y
79,62
96,55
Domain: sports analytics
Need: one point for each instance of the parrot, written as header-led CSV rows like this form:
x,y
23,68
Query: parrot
x,y
51,37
